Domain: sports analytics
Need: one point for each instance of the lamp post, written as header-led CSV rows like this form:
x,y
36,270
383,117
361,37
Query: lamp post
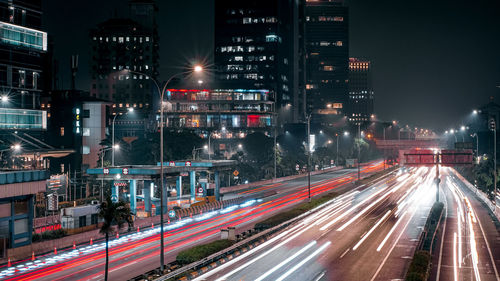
x,y
161,91
308,118
130,109
337,155
103,151
359,150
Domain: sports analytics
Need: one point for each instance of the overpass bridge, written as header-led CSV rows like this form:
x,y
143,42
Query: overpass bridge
x,y
391,148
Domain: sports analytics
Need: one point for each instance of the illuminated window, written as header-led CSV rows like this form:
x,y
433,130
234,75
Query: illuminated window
x,y
238,58
120,39
327,68
62,131
338,19
324,43
339,43
247,20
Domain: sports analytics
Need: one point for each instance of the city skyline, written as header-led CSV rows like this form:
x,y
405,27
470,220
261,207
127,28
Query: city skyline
x,y
401,83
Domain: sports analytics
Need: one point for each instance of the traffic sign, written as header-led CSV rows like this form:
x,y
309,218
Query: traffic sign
x,y
105,171
171,213
188,163
125,171
114,198
171,164
236,173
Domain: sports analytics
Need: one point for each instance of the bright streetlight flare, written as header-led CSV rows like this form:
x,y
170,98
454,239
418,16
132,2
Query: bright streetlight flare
x,y
16,147
130,109
116,146
346,133
198,68
5,98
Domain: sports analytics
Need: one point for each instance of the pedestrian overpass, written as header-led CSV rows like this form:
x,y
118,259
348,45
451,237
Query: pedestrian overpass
x,y
148,177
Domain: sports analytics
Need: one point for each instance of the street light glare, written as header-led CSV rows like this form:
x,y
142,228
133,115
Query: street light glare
x,y
16,147
474,112
452,131
462,128
205,147
130,109
240,145
116,146
198,68
5,98
346,133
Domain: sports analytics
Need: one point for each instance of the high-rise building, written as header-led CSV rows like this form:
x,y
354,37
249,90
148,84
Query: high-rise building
x,y
23,46
255,48
360,105
327,57
122,49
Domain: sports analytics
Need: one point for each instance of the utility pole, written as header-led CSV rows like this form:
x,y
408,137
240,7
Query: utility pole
x,y
337,160
309,156
359,150
275,150
493,127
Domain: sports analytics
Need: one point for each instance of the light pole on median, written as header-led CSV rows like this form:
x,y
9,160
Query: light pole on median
x,y
130,109
309,156
161,91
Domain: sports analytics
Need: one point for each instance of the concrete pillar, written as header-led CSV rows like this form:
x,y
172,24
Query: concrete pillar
x,y
179,187
217,185
115,192
146,192
192,185
133,197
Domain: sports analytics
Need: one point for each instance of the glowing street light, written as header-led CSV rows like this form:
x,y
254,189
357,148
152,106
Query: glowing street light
x,y
462,128
198,68
16,147
5,98
475,112
240,146
346,133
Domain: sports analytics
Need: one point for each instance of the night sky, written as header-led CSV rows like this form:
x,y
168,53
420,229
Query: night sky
x,y
433,61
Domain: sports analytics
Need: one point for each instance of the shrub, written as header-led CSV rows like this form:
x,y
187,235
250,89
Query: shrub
x,y
202,251
48,235
419,266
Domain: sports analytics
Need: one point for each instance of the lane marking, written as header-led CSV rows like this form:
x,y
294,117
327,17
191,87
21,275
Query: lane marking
x,y
304,261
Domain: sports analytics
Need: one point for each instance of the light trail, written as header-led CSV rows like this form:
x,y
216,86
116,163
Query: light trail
x,y
390,232
304,261
281,264
455,270
371,230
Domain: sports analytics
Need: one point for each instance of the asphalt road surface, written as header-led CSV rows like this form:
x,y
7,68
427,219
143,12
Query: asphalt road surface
x,y
132,255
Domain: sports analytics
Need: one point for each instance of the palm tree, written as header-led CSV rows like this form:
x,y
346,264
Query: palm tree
x,y
113,214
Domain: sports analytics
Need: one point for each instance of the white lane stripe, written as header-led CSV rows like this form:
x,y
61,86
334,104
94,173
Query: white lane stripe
x,y
269,272
322,248
371,230
390,232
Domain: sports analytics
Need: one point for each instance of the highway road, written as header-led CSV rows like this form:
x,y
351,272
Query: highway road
x,y
134,254
366,234
469,245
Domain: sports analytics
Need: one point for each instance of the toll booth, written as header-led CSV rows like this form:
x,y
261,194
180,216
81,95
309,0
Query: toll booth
x,y
148,177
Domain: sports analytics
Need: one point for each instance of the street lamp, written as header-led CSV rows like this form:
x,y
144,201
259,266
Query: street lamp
x,y
129,110
103,151
161,91
308,118
5,98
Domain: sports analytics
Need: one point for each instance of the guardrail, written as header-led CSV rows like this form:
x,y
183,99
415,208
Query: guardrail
x,y
240,244
481,195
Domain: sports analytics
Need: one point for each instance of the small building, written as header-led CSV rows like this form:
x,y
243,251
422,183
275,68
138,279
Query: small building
x,y
81,216
17,192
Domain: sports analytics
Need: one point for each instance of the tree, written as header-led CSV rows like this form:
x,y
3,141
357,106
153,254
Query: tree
x,y
113,214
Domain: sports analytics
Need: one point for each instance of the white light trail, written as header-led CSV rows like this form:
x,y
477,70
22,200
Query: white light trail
x,y
278,266
459,241
351,209
371,230
304,261
455,271
390,232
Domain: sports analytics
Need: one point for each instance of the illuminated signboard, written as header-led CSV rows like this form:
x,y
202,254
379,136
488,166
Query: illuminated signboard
x,y
78,127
